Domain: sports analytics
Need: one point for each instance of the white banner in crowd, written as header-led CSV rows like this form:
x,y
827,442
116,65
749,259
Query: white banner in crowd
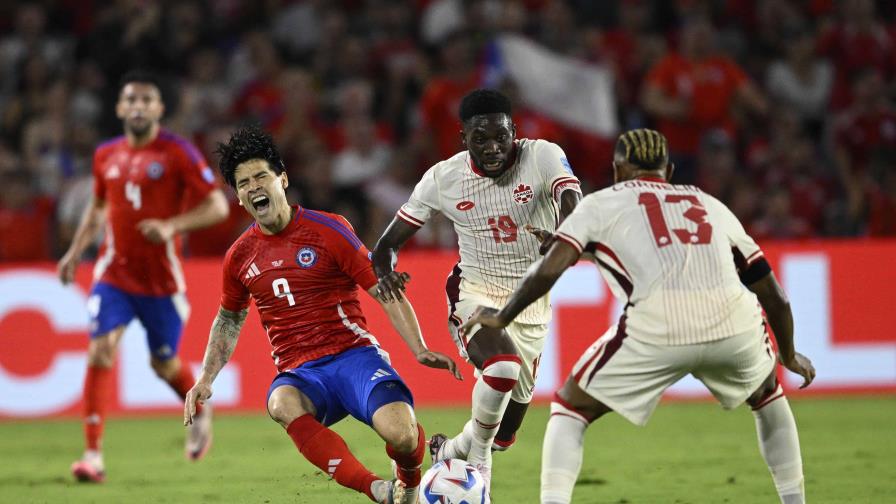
x,y
568,90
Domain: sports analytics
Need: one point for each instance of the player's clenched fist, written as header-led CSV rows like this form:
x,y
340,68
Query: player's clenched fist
x,y
200,393
486,317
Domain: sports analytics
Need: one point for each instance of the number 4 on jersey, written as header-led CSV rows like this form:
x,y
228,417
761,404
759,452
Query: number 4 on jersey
x,y
694,213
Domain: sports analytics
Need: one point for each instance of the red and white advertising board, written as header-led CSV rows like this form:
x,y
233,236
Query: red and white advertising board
x,y
842,294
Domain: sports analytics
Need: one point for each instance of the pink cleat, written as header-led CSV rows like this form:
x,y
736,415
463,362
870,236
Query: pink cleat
x,y
89,470
199,434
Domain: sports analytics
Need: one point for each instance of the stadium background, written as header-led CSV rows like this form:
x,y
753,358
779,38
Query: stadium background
x,y
793,128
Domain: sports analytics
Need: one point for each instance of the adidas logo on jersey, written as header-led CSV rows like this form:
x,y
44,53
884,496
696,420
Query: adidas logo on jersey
x,y
332,465
252,271
379,374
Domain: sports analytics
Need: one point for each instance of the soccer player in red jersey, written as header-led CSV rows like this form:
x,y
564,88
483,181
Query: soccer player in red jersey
x,y
303,268
142,181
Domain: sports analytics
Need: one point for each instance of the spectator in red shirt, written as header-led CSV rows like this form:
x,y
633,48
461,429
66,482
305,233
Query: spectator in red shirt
x,y
693,90
24,219
859,41
442,95
865,135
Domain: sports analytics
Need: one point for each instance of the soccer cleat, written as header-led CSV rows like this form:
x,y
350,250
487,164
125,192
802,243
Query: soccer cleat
x,y
435,447
199,434
89,469
401,494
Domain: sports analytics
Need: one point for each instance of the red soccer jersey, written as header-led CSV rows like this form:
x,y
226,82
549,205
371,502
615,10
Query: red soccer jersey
x,y
304,281
149,182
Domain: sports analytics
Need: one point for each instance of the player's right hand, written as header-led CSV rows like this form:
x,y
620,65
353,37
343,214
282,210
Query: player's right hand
x,y
439,360
801,365
66,268
391,286
200,393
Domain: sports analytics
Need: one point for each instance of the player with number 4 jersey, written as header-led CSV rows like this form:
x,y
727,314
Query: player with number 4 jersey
x,y
303,269
149,187
492,192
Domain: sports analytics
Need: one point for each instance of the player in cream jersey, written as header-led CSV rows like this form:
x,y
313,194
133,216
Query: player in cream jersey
x,y
691,278
667,250
489,215
492,192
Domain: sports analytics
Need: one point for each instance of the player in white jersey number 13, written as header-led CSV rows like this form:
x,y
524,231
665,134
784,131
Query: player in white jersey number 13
x,y
492,192
691,278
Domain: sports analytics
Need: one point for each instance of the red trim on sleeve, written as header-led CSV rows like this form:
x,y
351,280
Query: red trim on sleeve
x,y
570,240
754,256
561,183
606,250
401,214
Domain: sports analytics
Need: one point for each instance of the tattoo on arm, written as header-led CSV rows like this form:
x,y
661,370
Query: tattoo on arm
x,y
222,341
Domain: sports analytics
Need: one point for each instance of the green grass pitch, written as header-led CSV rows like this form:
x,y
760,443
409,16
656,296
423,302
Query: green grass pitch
x,y
689,453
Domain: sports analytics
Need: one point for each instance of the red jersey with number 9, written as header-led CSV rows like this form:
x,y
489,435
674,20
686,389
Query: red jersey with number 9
x,y
154,181
304,281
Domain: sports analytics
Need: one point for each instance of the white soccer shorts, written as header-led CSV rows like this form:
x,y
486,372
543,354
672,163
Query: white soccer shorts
x,y
528,338
630,376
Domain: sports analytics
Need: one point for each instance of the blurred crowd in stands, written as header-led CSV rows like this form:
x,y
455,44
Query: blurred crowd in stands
x,y
781,108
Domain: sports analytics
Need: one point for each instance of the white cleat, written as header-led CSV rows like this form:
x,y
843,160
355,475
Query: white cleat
x,y
89,468
199,434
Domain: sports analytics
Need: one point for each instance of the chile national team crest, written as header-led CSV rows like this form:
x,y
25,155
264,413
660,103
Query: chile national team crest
x,y
523,194
306,257
155,170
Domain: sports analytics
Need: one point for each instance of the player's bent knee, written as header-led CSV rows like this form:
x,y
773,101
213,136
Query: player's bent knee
x,y
488,343
165,369
101,353
572,397
285,405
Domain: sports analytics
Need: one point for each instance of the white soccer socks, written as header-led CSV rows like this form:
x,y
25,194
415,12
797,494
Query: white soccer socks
x,y
780,447
561,458
491,394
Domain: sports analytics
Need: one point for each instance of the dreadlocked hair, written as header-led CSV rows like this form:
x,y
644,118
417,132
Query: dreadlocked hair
x,y
645,148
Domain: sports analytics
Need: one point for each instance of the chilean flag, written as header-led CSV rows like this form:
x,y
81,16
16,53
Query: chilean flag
x,y
576,95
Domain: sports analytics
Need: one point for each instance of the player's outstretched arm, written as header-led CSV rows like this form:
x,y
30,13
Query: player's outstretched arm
x,y
221,342
385,256
92,221
777,310
535,284
210,211
404,320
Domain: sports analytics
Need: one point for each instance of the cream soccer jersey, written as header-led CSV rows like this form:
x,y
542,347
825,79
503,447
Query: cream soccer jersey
x,y
490,214
670,252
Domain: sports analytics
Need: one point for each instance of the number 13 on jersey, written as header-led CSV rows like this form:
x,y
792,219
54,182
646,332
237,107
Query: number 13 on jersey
x,y
694,213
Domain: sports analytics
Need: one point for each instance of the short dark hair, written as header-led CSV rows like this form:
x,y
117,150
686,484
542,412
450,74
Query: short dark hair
x,y
143,76
483,101
247,143
645,148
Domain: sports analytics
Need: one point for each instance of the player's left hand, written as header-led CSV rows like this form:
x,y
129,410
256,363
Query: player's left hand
x,y
546,238
486,317
200,393
156,230
439,361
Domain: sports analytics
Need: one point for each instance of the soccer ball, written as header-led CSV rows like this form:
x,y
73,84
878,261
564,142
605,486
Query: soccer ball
x,y
452,481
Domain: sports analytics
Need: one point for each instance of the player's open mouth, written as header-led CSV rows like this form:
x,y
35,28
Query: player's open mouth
x,y
493,165
261,203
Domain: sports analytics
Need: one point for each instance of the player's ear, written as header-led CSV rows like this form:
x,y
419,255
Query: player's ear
x,y
284,180
463,139
670,169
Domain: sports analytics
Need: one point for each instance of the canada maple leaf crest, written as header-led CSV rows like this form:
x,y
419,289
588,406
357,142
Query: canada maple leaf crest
x,y
523,194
